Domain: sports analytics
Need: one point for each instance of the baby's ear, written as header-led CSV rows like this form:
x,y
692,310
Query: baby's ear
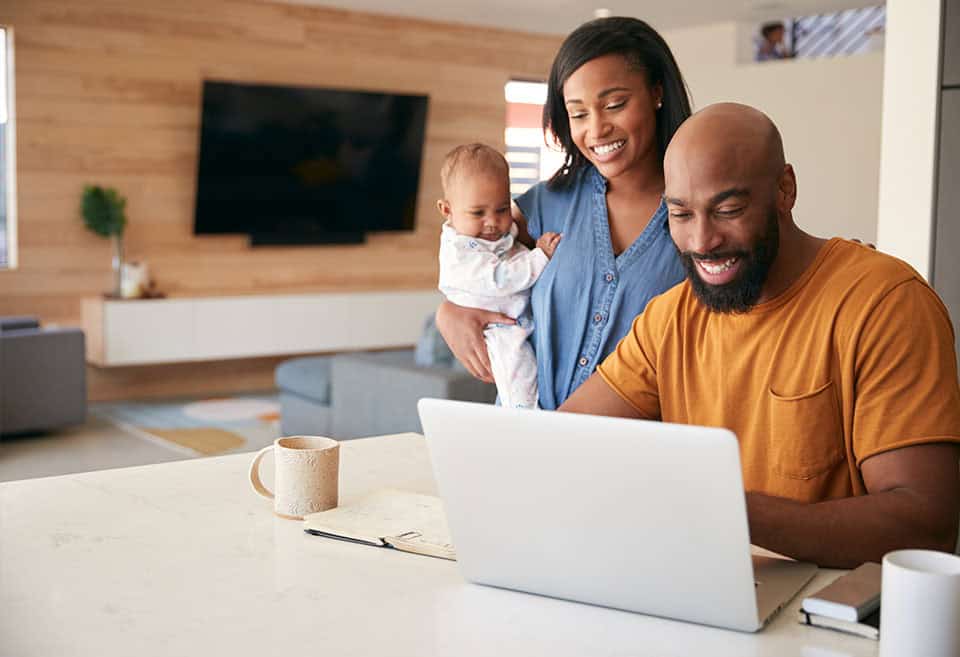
x,y
444,208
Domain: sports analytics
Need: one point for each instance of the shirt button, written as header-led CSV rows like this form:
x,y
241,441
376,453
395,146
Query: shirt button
x,y
583,362
598,317
609,277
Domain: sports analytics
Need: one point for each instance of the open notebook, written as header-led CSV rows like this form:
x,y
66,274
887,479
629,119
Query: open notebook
x,y
388,518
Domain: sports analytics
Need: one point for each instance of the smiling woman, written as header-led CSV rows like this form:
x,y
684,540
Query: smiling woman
x,y
614,99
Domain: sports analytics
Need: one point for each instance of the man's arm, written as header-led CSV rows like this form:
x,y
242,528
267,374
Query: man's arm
x,y
913,501
905,390
596,397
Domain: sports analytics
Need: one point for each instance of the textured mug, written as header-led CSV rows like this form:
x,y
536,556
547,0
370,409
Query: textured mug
x,y
307,475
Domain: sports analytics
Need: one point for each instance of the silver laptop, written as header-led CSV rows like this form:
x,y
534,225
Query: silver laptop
x,y
648,517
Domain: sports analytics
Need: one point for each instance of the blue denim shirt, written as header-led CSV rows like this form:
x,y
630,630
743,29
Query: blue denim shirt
x,y
586,299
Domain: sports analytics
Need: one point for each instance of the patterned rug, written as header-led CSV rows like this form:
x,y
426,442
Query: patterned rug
x,y
203,427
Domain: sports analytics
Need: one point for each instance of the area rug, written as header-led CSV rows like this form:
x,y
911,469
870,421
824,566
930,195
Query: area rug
x,y
203,440
199,427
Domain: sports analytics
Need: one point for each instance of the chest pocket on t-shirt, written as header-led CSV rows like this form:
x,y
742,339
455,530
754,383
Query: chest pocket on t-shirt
x,y
805,432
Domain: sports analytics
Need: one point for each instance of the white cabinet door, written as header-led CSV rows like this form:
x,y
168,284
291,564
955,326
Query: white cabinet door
x,y
148,331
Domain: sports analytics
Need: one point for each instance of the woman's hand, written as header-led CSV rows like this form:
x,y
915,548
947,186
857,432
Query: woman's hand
x,y
462,329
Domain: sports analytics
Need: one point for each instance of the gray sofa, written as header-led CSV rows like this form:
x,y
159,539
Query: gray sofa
x,y
42,376
353,395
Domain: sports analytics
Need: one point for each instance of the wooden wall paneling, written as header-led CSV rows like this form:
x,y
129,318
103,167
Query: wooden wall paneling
x,y
91,314
108,92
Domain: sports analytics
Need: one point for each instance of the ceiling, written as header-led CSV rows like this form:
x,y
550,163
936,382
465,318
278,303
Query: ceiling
x,y
561,16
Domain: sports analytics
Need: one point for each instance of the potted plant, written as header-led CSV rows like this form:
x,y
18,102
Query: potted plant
x,y
103,213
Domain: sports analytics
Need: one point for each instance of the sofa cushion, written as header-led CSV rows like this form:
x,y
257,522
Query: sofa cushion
x,y
431,350
308,377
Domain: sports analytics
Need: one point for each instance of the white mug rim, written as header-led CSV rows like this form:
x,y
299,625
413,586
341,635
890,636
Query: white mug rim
x,y
924,562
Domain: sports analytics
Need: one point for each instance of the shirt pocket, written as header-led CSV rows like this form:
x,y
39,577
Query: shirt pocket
x,y
805,436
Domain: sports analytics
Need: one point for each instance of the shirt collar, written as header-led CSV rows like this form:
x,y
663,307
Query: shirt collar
x,y
599,183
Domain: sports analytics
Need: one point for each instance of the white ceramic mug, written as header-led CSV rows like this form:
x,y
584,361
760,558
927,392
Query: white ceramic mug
x,y
307,475
920,604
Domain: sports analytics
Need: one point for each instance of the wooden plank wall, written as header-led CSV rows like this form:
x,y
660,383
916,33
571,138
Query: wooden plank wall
x,y
108,92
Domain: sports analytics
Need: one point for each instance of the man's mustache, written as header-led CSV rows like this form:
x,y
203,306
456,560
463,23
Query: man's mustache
x,y
714,255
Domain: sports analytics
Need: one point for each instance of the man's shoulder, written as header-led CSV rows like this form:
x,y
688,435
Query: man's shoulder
x,y
854,268
858,284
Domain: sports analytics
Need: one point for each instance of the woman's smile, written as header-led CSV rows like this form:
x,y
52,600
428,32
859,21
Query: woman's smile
x,y
608,150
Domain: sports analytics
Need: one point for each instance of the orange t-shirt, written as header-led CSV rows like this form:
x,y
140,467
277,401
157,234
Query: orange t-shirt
x,y
855,358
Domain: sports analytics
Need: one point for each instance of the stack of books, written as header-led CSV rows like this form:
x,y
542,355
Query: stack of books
x,y
850,604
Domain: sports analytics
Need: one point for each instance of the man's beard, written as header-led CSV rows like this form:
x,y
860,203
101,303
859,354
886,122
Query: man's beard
x,y
740,294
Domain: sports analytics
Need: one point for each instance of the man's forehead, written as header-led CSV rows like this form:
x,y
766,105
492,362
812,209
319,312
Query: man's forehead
x,y
721,147
691,174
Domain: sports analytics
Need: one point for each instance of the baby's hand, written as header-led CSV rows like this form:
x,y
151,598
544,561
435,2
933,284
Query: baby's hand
x,y
548,243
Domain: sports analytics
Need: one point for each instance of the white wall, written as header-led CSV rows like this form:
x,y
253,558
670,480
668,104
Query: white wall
x,y
910,101
828,111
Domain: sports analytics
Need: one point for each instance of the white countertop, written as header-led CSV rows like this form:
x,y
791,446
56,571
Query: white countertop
x,y
185,559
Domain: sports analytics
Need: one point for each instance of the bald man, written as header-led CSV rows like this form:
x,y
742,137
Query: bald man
x,y
833,363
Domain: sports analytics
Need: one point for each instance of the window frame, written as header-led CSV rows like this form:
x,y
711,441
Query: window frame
x,y
10,164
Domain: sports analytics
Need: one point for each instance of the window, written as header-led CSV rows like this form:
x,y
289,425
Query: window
x,y
530,159
8,224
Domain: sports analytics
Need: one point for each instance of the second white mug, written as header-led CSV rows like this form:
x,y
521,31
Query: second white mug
x,y
920,604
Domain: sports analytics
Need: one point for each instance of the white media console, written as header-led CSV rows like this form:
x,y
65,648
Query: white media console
x,y
154,331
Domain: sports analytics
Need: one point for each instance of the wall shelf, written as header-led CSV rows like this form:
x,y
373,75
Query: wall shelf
x,y
155,331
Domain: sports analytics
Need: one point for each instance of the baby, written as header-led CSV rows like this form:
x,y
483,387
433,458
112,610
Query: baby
x,y
482,265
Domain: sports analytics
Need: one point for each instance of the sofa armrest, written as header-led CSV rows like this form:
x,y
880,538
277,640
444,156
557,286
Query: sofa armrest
x,y
377,393
42,379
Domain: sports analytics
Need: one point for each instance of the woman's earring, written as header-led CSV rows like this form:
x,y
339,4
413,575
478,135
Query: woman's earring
x,y
659,104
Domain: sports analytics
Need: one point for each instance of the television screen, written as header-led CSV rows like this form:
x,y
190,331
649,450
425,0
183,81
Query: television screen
x,y
306,165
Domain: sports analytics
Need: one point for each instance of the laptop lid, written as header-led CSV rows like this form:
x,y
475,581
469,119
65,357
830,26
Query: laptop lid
x,y
643,516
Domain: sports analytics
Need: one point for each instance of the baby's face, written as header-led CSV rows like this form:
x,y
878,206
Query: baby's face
x,y
479,206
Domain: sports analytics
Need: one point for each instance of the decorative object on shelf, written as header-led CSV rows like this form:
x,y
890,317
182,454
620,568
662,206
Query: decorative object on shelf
x,y
135,280
103,213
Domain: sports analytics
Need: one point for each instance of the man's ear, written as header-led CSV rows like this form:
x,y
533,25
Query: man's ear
x,y
787,189
444,207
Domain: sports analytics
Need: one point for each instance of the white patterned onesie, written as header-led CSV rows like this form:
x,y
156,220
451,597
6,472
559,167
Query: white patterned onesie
x,y
497,276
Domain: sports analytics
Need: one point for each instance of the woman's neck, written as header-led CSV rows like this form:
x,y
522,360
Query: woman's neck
x,y
639,181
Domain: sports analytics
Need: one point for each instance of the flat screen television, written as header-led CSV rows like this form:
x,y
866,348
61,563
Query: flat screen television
x,y
307,165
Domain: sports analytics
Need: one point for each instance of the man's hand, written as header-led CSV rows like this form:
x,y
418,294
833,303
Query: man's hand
x,y
548,243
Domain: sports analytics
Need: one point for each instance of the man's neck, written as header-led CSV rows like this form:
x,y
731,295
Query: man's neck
x,y
796,253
